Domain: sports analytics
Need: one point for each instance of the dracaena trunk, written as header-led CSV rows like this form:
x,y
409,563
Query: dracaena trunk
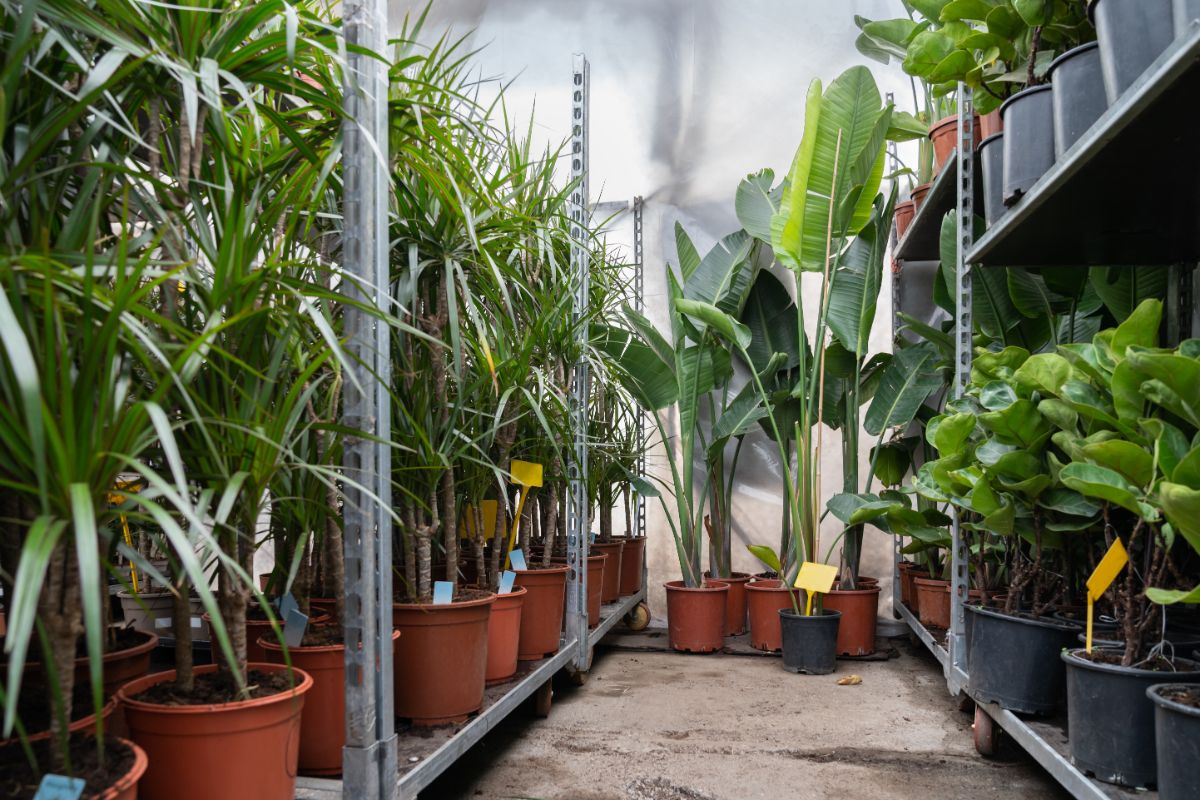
x,y
181,617
59,609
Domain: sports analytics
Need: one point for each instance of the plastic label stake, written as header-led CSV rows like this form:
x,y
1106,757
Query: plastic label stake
x,y
60,787
466,528
814,579
294,625
527,475
1102,577
287,604
517,559
443,593
507,578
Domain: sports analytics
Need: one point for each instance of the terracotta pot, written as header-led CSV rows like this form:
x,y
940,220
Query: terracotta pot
x,y
257,629
542,613
245,749
905,212
990,124
764,600
504,634
126,786
934,602
735,602
860,608
323,605
631,565
909,587
120,666
82,724
595,587
323,720
918,196
696,616
944,134
441,659
612,568
264,580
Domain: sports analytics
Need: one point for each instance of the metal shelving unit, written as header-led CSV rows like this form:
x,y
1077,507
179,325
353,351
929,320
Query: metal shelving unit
x,y
1143,147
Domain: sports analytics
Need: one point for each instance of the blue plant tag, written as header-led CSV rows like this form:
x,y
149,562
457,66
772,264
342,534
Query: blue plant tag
x,y
294,626
506,581
60,787
517,558
593,539
287,604
443,593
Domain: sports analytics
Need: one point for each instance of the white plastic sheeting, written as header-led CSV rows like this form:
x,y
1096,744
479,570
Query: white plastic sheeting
x,y
688,97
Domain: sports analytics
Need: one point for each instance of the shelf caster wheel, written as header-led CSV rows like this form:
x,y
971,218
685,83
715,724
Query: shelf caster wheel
x,y
542,699
578,677
639,618
984,729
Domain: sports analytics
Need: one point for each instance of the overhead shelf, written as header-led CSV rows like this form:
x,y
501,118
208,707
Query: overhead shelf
x,y
1128,192
921,241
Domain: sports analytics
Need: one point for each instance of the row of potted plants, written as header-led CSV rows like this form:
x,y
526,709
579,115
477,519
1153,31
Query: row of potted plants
x,y
172,309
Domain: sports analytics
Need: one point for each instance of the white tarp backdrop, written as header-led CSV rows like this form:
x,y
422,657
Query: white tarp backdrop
x,y
688,97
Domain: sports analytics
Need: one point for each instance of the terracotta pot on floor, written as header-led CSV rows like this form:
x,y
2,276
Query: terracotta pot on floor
x,y
612,568
504,635
245,749
323,721
441,659
696,616
735,602
764,600
542,612
860,608
632,557
934,602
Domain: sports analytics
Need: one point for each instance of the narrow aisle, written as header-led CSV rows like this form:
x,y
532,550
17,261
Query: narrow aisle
x,y
658,726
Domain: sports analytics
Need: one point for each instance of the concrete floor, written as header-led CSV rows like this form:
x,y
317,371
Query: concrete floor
x,y
660,726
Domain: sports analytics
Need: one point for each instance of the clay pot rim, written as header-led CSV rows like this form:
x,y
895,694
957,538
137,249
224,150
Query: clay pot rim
x,y
563,559
736,577
868,590
126,692
140,763
952,119
904,203
315,619
931,581
551,569
615,542
678,586
314,649
442,607
778,587
81,724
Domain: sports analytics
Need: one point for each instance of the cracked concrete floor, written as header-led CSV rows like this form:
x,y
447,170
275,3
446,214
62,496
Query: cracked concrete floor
x,y
660,726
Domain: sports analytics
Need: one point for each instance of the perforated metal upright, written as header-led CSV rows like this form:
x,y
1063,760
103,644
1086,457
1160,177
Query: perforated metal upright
x,y
639,288
577,497
369,755
956,676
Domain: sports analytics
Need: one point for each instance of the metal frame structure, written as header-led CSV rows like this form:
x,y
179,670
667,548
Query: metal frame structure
x,y
370,758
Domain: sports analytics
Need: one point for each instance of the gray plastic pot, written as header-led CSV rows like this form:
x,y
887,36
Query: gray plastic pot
x,y
1028,140
1132,33
1186,12
1079,97
1111,720
1177,734
991,159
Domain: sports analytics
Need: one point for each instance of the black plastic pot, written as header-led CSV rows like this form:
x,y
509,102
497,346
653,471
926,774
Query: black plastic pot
x,y
1028,140
1015,660
1111,720
1078,97
1132,33
1100,623
991,159
1177,733
1186,12
809,643
1183,644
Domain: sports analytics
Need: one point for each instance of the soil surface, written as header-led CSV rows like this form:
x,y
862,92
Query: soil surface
x,y
322,636
1188,697
214,687
1157,664
33,709
663,726
19,781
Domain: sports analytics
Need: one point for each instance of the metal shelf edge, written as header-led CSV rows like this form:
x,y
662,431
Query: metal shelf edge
x,y
1169,66
936,189
939,652
616,612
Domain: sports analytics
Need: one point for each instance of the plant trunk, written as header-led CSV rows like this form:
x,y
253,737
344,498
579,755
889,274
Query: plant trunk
x,y
181,617
450,526
606,509
59,610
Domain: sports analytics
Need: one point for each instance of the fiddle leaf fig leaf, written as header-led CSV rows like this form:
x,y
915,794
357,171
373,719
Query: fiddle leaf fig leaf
x,y
1044,373
1133,462
1181,506
1103,483
1170,444
1187,471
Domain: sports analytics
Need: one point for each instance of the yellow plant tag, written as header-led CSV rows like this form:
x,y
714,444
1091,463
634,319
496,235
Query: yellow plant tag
x,y
525,473
1101,578
466,528
815,578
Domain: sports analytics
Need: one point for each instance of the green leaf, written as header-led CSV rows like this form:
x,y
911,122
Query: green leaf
x,y
1140,329
1019,424
854,286
997,396
926,52
1044,373
771,317
903,387
1181,506
892,462
1133,462
739,416
724,275
689,259
1123,288
951,433
728,327
767,556
1167,597
1170,444
1034,12
1066,501
930,9
756,203
972,10
1102,483
1187,471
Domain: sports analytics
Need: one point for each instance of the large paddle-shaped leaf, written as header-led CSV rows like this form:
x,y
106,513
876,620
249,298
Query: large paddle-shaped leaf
x,y
854,289
724,275
770,315
756,203
905,384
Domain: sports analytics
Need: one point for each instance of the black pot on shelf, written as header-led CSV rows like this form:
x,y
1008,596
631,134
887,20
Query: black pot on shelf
x,y
1078,97
1186,12
1182,644
1177,734
1028,140
1015,660
1110,718
809,643
991,159
1132,33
